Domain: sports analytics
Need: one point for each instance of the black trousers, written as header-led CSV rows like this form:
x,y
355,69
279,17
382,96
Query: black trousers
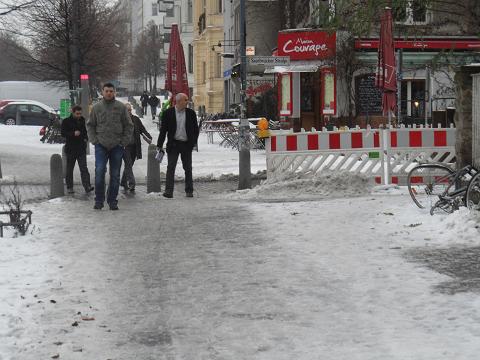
x,y
184,150
82,165
129,156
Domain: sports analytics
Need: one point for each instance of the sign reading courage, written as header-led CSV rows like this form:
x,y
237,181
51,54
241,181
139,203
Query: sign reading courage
x,y
306,45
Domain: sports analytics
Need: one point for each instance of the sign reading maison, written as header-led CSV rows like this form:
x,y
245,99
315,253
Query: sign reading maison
x,y
269,60
306,45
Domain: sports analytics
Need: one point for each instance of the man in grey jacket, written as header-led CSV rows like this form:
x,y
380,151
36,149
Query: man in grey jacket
x,y
110,130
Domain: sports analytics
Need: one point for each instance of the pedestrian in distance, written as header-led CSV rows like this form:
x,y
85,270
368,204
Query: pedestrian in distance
x,y
133,150
144,101
110,130
75,134
153,101
180,127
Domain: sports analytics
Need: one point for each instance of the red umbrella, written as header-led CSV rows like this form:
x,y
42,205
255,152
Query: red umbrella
x,y
386,71
176,80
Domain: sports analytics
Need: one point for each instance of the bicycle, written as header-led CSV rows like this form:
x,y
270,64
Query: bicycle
x,y
439,187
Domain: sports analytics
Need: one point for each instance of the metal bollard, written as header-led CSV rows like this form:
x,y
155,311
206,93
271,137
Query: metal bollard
x,y
64,162
56,177
18,120
153,171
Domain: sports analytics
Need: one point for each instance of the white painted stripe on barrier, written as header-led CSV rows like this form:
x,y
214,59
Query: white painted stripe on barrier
x,y
302,142
345,140
281,143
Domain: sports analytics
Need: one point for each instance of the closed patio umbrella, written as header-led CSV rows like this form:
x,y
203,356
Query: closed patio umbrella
x,y
176,80
386,78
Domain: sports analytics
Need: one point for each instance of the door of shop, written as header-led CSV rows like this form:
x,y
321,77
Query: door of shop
x,y
310,100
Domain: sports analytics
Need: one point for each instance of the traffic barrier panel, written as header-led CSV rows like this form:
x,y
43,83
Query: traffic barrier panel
x,y
387,155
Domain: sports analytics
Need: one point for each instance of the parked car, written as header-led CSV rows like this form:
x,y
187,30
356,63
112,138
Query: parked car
x,y
31,112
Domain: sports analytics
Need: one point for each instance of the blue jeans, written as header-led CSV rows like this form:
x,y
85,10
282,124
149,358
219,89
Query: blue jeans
x,y
102,156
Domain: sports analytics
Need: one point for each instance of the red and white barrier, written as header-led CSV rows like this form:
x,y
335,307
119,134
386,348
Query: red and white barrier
x,y
345,140
406,147
357,151
384,154
421,138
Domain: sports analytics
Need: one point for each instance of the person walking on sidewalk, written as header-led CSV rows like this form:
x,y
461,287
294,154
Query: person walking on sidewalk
x,y
110,130
153,101
180,125
75,133
144,101
133,150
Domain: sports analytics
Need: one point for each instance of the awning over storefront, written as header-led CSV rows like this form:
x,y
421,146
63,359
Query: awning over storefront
x,y
297,66
424,58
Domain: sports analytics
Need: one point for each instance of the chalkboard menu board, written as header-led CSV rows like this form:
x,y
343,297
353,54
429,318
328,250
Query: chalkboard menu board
x,y
368,96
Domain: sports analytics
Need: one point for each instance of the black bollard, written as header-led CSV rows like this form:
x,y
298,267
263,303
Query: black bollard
x,y
153,171
56,177
64,162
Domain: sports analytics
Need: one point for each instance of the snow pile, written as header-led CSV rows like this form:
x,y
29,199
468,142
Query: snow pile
x,y
325,184
463,226
390,189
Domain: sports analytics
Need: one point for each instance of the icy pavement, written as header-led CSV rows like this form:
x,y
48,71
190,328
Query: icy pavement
x,y
217,278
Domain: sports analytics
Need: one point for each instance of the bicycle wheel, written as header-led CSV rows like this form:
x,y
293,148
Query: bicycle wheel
x,y
473,193
426,182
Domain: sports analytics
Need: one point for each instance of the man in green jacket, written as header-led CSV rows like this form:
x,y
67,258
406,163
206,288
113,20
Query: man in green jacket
x,y
110,130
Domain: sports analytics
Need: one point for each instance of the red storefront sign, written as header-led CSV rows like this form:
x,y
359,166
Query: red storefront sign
x,y
438,44
306,45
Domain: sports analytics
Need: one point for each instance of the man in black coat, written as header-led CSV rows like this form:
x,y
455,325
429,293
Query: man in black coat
x,y
144,101
179,125
153,101
133,150
75,133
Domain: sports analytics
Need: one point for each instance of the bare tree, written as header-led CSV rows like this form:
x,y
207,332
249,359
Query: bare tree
x,y
11,49
146,61
8,7
56,49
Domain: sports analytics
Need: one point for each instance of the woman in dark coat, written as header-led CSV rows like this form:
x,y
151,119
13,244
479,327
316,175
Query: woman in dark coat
x,y
133,150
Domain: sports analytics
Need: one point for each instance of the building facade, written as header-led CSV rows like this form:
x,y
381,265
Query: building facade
x,y
207,62
331,77
157,16
262,26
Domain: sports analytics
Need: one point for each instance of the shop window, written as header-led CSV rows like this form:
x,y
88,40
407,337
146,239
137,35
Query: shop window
x,y
328,82
154,9
413,100
286,96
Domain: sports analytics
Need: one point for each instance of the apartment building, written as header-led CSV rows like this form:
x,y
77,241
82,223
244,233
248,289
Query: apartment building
x,y
207,62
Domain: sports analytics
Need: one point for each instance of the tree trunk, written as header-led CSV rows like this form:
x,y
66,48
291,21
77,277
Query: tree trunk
x,y
463,115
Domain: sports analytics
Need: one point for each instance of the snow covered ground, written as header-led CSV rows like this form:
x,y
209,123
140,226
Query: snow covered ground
x,y
326,268
245,278
24,157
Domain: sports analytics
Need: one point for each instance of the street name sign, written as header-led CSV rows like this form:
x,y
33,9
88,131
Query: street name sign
x,y
269,60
